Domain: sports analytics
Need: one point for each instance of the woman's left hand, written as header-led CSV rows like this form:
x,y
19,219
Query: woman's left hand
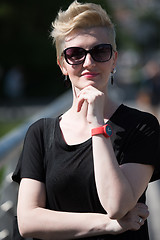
x,y
134,219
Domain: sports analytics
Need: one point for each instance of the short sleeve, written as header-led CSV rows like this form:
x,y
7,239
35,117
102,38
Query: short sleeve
x,y
143,145
31,161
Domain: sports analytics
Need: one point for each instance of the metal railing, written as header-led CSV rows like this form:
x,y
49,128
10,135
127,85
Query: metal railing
x,y
10,148
12,139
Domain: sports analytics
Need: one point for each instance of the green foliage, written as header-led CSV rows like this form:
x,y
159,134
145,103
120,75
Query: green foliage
x,y
6,127
2,171
25,29
150,20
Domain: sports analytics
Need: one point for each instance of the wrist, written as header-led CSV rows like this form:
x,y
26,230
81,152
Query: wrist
x,y
110,226
105,130
96,123
103,224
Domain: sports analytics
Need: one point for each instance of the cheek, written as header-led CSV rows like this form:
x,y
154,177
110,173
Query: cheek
x,y
106,69
74,71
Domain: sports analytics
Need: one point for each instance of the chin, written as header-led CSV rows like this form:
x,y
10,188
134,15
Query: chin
x,y
97,85
93,84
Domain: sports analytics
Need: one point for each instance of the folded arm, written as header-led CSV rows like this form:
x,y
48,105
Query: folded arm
x,y
36,221
119,187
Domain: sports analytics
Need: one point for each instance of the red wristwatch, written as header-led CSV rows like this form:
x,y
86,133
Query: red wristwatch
x,y
106,130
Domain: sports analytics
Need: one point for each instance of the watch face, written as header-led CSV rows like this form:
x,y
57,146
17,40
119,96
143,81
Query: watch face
x,y
108,130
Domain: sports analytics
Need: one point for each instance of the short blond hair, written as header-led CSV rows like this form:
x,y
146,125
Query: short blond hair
x,y
80,16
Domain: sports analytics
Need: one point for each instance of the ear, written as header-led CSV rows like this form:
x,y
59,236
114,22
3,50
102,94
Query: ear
x,y
62,66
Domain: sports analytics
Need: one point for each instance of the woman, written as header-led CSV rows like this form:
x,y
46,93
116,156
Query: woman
x,y
90,185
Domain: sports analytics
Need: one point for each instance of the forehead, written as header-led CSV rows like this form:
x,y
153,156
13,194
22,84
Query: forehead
x,y
87,37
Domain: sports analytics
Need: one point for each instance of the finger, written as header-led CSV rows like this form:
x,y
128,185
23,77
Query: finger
x,y
136,225
140,221
79,105
141,205
89,90
84,96
144,213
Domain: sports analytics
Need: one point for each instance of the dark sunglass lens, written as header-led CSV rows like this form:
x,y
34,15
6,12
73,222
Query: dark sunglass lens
x,y
74,55
102,52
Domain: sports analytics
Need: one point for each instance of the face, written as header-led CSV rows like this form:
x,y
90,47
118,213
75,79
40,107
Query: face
x,y
89,72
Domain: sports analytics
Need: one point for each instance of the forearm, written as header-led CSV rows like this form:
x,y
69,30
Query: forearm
x,y
113,188
46,224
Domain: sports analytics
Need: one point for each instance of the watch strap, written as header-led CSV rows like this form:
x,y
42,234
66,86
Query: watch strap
x,y
98,130
106,130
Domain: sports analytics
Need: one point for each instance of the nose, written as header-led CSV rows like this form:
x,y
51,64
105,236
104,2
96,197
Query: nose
x,y
88,61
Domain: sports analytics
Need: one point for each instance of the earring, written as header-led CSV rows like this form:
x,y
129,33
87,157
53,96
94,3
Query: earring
x,y
66,81
112,75
66,78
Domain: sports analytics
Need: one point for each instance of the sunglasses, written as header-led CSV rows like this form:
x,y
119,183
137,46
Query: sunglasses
x,y
77,55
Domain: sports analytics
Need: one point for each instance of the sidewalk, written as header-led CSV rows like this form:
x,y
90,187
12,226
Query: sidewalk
x,y
153,202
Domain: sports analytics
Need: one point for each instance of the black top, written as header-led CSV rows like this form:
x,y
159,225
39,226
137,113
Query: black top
x,y
68,171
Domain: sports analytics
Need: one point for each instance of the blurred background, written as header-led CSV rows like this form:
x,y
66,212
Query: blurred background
x,y
30,79
29,75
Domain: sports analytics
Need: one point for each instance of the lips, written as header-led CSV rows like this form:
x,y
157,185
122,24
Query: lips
x,y
90,74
